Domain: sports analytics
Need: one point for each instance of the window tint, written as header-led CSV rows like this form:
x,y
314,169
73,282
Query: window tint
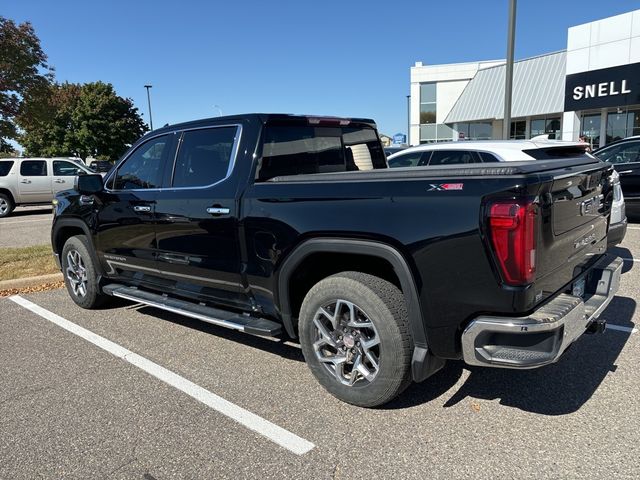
x,y
410,159
453,157
488,157
143,168
204,156
65,169
33,168
289,150
5,167
624,153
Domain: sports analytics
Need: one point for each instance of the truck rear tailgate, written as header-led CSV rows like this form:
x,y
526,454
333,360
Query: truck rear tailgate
x,y
574,224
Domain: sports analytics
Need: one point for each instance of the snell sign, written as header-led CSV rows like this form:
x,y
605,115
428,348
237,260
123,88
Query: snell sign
x,y
608,87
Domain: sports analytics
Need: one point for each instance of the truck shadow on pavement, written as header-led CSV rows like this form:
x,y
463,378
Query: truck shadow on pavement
x,y
626,254
284,349
557,389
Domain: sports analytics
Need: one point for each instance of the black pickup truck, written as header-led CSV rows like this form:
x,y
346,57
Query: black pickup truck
x,y
282,225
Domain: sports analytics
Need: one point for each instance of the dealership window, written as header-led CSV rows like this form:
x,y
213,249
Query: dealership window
x,y
622,124
427,103
546,126
518,130
590,129
436,133
474,130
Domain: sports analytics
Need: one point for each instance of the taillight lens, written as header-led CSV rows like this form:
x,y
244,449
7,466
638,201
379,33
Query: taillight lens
x,y
512,230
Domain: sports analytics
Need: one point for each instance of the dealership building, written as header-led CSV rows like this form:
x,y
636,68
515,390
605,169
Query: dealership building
x,y
591,89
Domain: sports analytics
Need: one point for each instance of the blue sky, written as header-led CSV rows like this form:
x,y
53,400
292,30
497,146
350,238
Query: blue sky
x,y
329,57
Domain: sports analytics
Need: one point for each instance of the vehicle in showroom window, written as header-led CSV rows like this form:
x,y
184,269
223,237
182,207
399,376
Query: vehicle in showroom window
x,y
294,226
35,181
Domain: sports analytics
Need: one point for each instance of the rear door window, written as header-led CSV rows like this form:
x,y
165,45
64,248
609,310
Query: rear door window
x,y
33,168
453,157
204,157
299,150
409,159
5,168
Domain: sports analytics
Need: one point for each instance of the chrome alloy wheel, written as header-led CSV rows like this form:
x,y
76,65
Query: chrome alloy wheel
x,y
346,343
76,273
4,206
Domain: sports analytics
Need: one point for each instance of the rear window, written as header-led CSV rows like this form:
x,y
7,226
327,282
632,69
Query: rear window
x,y
5,167
551,153
299,150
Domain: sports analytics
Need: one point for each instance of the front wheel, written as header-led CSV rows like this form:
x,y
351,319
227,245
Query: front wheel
x,y
80,273
354,334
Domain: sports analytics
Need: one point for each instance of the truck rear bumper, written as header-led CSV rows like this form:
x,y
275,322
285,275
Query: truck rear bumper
x,y
542,337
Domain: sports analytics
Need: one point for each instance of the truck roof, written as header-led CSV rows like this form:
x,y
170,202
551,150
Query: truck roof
x,y
268,117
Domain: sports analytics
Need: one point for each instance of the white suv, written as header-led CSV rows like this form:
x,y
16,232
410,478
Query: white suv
x,y
33,181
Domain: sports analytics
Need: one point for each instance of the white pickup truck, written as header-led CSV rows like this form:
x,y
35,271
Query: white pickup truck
x,y
33,181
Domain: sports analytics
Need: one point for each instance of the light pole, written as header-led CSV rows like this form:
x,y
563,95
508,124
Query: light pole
x,y
149,103
219,109
408,119
508,81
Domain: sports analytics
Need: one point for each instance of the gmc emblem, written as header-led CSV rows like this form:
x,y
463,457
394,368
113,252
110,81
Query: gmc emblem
x,y
591,206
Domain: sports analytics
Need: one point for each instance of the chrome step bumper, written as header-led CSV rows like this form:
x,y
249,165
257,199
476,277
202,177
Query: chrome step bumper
x,y
542,337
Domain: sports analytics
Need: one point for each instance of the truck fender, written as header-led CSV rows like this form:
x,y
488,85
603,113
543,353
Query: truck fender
x,y
423,363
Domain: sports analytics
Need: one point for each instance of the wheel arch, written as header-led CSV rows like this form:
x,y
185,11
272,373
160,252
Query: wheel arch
x,y
423,363
8,192
65,228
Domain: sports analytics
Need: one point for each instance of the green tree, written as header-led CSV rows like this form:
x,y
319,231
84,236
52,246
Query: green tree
x,y
23,70
81,120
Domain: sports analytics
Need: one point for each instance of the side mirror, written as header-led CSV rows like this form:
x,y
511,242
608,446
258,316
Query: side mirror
x,y
89,184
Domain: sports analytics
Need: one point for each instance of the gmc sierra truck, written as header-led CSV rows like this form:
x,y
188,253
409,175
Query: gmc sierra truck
x,y
282,225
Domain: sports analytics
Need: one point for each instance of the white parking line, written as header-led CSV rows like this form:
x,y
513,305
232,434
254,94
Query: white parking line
x,y
26,221
630,259
633,228
273,432
621,329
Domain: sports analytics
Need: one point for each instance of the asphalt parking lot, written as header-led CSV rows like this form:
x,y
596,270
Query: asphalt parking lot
x,y
25,227
69,408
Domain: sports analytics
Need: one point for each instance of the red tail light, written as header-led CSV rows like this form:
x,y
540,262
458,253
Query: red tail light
x,y
512,230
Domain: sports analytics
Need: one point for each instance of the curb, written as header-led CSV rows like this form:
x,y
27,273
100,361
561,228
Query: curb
x,y
30,281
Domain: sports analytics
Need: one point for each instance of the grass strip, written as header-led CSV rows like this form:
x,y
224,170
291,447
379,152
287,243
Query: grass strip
x,y
26,262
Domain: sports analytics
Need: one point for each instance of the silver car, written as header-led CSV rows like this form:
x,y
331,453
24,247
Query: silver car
x,y
34,181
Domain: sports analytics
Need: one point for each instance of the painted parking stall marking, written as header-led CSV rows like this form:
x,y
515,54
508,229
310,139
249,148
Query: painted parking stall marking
x,y
621,329
271,431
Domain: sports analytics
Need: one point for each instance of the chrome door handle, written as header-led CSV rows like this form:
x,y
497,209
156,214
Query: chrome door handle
x,y
25,181
625,171
141,208
59,180
218,211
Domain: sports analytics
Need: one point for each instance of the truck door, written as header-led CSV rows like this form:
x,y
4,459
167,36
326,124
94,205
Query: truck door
x,y
125,237
197,219
34,182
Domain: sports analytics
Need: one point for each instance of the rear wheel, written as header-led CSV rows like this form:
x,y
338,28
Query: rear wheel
x,y
6,205
354,333
80,273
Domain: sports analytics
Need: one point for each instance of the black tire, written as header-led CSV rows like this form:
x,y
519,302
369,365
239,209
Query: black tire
x,y
78,246
6,205
381,303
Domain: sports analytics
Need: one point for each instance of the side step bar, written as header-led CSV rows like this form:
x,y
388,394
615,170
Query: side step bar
x,y
243,323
